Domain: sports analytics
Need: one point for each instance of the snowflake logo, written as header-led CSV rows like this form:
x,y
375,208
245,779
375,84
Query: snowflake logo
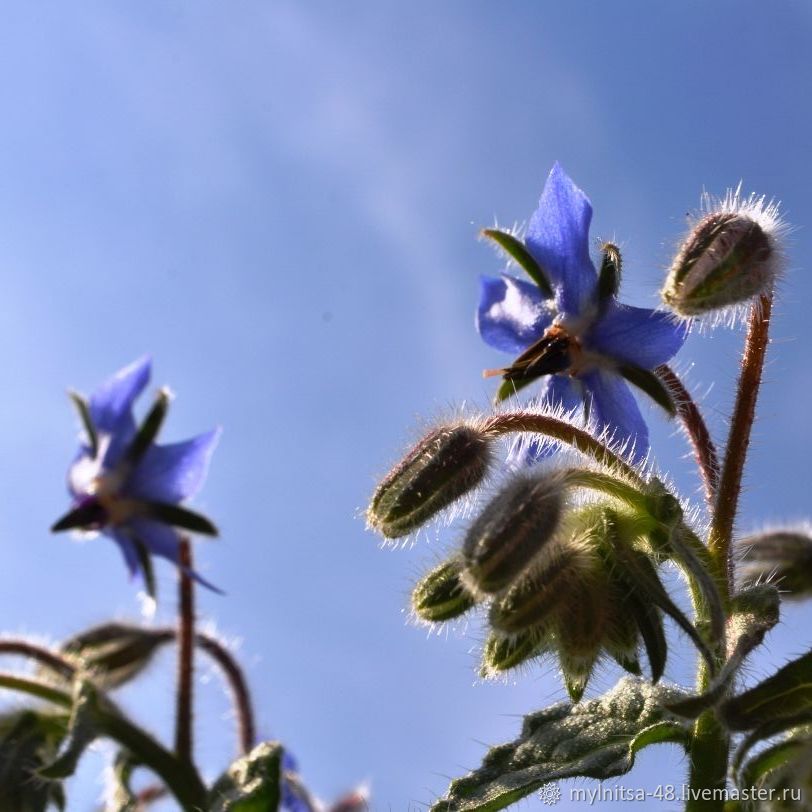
x,y
550,794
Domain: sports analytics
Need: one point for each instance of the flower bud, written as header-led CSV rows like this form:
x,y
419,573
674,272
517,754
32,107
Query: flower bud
x,y
115,653
441,595
730,256
783,558
446,464
581,629
501,653
512,529
529,602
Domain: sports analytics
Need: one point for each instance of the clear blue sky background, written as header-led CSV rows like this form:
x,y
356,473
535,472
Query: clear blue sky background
x,y
279,201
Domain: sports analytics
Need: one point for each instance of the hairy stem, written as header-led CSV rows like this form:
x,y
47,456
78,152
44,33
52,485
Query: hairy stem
x,y
579,439
239,688
705,454
182,779
186,650
744,412
710,742
50,659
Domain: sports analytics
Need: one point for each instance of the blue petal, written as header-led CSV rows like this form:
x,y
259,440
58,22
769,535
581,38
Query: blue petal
x,y
172,473
614,408
558,238
128,550
512,313
112,402
162,540
637,335
559,391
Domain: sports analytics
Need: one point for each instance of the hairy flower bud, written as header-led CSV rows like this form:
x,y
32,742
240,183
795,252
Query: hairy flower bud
x,y
730,256
512,529
501,653
440,595
529,602
115,653
446,464
783,557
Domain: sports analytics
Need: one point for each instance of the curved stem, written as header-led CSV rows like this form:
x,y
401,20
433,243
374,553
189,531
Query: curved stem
x,y
186,640
239,688
579,439
705,454
727,498
42,655
182,779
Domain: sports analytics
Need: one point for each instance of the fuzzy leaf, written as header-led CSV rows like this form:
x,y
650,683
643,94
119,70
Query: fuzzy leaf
x,y
754,612
251,784
595,739
27,740
784,695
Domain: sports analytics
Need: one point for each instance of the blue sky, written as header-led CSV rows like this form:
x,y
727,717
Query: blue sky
x,y
280,201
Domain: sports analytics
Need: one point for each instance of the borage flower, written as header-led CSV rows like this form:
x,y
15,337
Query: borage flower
x,y
126,486
568,327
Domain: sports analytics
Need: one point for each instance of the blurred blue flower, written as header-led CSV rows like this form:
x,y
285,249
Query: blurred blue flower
x,y
296,798
128,487
575,334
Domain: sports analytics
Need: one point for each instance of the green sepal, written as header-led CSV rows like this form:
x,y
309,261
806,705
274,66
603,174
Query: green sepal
x,y
120,796
598,738
517,251
785,695
501,653
82,516
28,739
753,613
441,595
609,275
82,732
648,382
509,388
83,409
251,784
148,430
147,569
179,516
642,573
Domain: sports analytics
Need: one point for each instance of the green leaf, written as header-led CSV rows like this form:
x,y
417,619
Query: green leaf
x,y
179,516
767,731
771,759
753,613
516,250
646,381
87,422
251,784
784,695
28,739
148,430
595,739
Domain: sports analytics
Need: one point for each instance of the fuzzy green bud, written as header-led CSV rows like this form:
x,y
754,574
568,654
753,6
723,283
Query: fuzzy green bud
x,y
445,465
530,601
783,558
501,653
727,259
512,529
114,653
441,595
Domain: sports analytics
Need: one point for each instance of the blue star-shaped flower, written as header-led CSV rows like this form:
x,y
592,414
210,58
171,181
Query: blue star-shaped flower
x,y
127,486
568,326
